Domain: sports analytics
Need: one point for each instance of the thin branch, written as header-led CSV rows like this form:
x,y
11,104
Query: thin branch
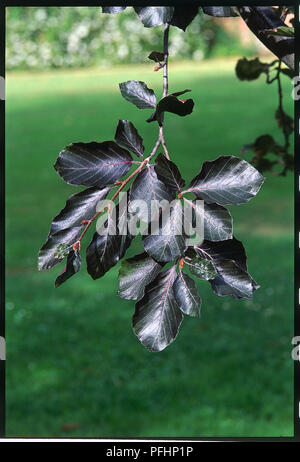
x,y
166,57
163,142
165,86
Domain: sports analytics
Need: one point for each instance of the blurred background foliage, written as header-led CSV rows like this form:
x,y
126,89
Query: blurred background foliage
x,y
56,37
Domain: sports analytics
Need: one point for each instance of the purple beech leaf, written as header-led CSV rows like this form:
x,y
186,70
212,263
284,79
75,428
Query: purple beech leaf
x,y
186,295
167,240
183,16
135,273
157,316
232,251
227,180
179,93
128,137
168,173
93,164
46,256
148,187
138,93
109,243
232,280
219,11
217,220
72,267
172,104
156,56
152,16
79,206
113,9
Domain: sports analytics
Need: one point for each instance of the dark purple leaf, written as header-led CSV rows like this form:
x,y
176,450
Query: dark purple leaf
x,y
148,188
156,56
174,105
232,280
231,249
152,16
186,295
72,267
219,11
227,180
183,16
138,93
135,273
46,256
168,173
167,240
157,316
217,220
109,243
113,9
93,164
79,206
128,137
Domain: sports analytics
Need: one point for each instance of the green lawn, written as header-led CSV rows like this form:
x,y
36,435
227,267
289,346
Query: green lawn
x,y
74,366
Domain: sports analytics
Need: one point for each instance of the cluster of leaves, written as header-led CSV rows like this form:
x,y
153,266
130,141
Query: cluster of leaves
x,y
267,152
156,277
178,16
160,277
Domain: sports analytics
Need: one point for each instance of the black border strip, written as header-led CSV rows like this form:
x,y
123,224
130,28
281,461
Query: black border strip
x,y
147,442
141,3
297,238
2,218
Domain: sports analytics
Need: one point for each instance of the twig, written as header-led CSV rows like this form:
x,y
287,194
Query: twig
x,y
165,86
